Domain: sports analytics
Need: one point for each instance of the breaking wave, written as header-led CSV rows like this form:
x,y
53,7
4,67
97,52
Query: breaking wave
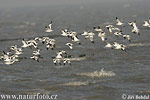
x,y
101,73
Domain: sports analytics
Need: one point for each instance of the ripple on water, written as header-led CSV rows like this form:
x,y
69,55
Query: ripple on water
x,y
53,88
35,91
77,83
22,80
143,92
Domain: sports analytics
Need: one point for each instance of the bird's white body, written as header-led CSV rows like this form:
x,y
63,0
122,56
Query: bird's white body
x,y
67,61
64,32
118,46
118,34
75,39
119,23
37,52
135,28
36,58
103,36
146,24
108,45
128,37
49,28
109,27
70,45
85,33
98,29
25,44
10,62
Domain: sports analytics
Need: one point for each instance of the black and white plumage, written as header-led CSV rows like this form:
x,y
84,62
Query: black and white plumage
x,y
98,29
89,35
118,33
66,61
75,39
135,29
108,45
65,32
35,57
49,27
118,46
103,36
146,24
70,45
37,52
119,23
61,56
17,50
109,27
128,37
25,44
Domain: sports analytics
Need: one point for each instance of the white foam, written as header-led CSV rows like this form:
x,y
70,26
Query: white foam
x,y
101,73
138,44
77,83
77,58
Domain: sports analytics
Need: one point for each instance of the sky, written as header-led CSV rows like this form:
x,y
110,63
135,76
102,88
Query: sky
x,y
26,3
22,3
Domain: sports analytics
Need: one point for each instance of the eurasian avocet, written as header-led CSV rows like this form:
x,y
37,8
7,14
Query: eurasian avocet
x,y
76,39
98,29
118,33
85,33
4,55
109,28
39,39
67,61
49,27
17,50
90,36
64,32
60,54
119,23
32,43
69,45
11,57
37,52
128,37
11,61
146,24
135,28
56,60
103,36
35,57
112,28
49,46
118,46
108,45
25,44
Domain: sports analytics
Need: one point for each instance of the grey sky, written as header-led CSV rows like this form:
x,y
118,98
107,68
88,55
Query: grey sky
x,y
25,3
21,3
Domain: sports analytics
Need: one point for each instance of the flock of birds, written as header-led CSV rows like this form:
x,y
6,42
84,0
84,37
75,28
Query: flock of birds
x,y
62,57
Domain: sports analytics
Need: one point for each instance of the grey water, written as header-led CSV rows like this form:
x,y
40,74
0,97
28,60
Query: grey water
x,y
27,19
